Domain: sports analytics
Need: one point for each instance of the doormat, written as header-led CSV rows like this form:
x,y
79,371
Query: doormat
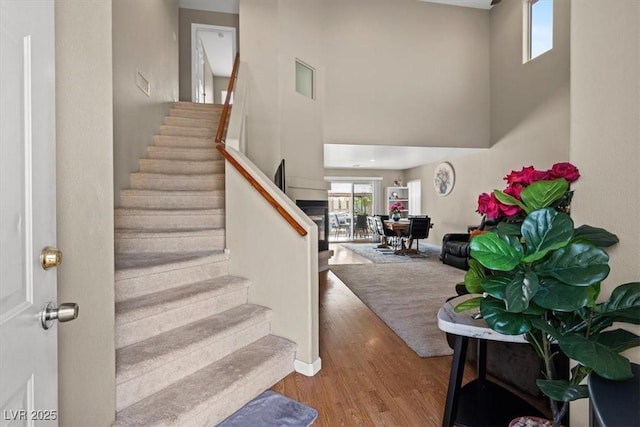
x,y
271,409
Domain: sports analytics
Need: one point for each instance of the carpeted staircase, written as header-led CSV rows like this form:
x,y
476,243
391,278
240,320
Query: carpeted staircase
x,y
190,349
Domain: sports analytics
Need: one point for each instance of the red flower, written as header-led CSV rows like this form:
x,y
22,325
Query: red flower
x,y
509,210
526,176
488,205
514,190
564,170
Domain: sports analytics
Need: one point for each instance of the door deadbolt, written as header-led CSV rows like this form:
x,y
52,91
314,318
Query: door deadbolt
x,y
50,257
64,313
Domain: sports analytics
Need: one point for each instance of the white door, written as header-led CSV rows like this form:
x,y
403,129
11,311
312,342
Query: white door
x,y
28,352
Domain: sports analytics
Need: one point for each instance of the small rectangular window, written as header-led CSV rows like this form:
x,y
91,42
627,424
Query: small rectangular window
x,y
539,28
305,76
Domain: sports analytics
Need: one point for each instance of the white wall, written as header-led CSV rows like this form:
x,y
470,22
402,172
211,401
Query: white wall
x,y
281,122
406,72
145,39
605,135
84,140
529,120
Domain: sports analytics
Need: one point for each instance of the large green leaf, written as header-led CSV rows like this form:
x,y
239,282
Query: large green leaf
x,y
495,314
545,230
577,264
506,199
473,277
607,363
509,228
562,391
542,194
496,284
596,236
619,340
520,291
544,326
555,295
469,304
623,297
494,253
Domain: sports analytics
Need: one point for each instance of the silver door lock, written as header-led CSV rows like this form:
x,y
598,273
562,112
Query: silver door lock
x,y
66,312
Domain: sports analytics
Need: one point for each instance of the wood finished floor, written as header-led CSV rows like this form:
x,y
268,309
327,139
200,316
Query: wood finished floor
x,y
369,376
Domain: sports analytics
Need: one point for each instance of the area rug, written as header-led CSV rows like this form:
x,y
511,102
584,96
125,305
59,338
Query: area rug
x,y
384,256
406,297
272,409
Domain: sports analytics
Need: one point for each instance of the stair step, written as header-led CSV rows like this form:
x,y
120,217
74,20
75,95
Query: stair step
x,y
143,274
173,153
168,219
196,113
185,105
188,131
211,394
210,122
138,319
158,241
186,167
183,141
148,366
172,199
161,181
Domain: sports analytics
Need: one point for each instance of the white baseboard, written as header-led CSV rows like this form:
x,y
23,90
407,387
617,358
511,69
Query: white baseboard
x,y
307,369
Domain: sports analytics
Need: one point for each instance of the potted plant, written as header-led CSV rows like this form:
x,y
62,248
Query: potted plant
x,y
395,209
540,276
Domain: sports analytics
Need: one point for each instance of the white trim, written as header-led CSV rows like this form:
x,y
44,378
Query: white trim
x,y
223,6
307,369
195,28
353,178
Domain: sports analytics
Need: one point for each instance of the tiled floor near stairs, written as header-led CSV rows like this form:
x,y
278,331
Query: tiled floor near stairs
x,y
190,349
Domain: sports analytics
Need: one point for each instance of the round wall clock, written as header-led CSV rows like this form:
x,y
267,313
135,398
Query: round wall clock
x,y
444,178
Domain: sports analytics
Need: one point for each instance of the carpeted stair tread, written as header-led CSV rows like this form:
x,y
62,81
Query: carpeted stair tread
x,y
210,122
135,308
171,199
188,131
178,153
133,265
141,240
164,219
183,141
199,399
197,106
186,167
142,317
164,181
196,114
136,359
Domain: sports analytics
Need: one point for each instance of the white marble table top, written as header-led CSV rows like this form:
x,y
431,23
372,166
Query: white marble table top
x,y
463,324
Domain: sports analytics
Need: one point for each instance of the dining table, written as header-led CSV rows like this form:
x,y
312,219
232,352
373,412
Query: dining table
x,y
400,227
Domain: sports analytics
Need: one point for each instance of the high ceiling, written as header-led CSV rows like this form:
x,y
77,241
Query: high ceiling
x,y
346,156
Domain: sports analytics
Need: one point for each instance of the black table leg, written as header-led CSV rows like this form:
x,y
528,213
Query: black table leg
x,y
455,380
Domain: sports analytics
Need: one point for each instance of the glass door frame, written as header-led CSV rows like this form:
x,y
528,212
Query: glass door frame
x,y
374,182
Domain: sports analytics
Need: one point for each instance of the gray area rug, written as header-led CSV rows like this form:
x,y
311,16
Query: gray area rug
x,y
272,409
384,256
406,297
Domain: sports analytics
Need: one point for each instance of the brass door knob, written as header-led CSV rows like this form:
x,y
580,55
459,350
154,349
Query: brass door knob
x,y
50,257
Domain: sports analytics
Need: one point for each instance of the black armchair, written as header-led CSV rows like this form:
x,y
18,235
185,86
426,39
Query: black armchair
x,y
455,250
455,246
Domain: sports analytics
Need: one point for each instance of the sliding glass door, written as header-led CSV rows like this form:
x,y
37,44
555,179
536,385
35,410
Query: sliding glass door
x,y
349,204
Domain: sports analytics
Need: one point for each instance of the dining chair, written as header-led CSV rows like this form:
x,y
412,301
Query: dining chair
x,y
419,227
386,234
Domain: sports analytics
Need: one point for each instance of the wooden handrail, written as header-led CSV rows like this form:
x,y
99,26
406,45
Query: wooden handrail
x,y
264,193
224,117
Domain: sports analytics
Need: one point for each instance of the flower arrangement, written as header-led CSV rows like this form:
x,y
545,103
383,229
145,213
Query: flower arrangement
x,y
540,276
396,207
397,182
507,204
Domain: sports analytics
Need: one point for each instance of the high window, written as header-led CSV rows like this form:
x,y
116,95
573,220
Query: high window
x,y
538,28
